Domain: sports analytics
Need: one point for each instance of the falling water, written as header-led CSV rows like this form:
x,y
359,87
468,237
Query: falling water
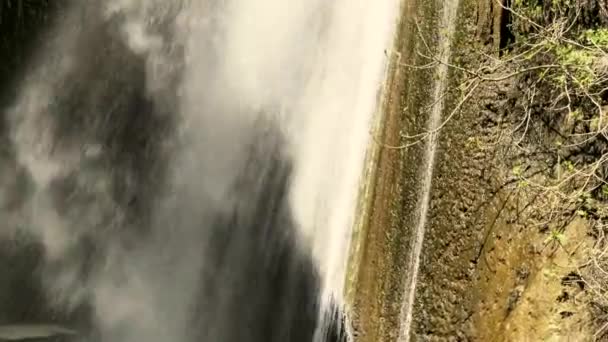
x,y
447,27
184,160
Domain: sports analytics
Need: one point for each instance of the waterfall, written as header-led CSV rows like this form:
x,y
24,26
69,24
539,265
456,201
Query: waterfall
x,y
447,25
192,167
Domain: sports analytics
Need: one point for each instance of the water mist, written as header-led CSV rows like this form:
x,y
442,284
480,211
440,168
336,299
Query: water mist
x,y
192,167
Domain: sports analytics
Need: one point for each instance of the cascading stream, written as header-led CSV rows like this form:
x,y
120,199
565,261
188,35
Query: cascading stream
x,y
447,25
192,167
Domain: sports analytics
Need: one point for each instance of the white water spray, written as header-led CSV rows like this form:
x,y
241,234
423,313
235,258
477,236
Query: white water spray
x,y
312,66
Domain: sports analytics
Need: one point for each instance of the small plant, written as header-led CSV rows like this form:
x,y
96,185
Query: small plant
x,y
569,166
582,213
556,236
517,171
522,184
597,37
605,190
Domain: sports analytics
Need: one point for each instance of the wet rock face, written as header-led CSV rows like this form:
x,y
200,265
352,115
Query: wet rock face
x,y
252,282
